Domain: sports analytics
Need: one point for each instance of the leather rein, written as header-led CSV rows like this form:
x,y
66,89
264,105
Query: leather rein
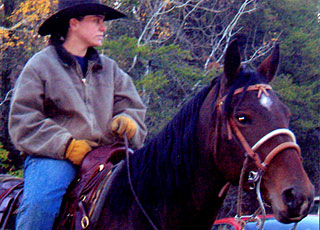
x,y
136,198
250,153
254,177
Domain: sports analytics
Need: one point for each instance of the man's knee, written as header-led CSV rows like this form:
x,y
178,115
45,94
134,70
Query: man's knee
x,y
37,214
41,206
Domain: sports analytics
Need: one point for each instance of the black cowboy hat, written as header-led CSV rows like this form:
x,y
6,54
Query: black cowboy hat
x,y
68,9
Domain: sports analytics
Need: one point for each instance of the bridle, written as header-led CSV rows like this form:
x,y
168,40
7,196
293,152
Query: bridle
x,y
254,177
250,152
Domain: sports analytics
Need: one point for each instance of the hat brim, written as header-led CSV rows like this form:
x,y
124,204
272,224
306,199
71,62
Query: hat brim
x,y
53,23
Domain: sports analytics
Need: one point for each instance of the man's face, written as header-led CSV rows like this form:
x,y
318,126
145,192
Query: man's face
x,y
90,30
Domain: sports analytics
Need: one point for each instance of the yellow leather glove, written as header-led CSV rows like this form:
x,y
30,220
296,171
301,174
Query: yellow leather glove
x,y
123,124
78,149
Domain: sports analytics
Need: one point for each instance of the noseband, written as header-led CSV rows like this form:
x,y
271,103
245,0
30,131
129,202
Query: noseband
x,y
250,152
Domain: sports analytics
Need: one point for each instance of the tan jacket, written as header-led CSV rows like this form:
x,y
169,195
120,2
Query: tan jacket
x,y
51,103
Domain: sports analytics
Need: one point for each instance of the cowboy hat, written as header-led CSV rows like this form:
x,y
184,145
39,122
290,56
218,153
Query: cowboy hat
x,y
68,9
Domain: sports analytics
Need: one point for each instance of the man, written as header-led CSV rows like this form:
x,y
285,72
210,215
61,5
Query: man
x,y
67,100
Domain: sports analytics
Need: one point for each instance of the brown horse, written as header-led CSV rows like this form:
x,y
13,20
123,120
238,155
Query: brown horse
x,y
233,127
176,178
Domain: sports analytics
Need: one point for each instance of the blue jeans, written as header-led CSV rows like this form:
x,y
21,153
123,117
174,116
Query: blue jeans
x,y
46,181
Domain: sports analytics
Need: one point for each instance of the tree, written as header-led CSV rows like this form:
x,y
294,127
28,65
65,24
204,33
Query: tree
x,y
19,40
172,48
298,84
178,45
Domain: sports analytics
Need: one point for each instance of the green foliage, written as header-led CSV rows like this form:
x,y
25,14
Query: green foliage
x,y
164,76
303,100
298,82
168,68
297,23
6,164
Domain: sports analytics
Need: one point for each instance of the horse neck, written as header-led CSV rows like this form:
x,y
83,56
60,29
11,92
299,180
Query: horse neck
x,y
209,135
173,170
163,184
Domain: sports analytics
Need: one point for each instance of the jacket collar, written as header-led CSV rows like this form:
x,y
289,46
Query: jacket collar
x,y
69,60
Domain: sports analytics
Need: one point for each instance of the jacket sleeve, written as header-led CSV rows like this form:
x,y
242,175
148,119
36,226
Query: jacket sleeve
x,y
127,102
30,130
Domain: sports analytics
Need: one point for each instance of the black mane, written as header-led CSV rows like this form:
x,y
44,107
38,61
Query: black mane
x,y
169,156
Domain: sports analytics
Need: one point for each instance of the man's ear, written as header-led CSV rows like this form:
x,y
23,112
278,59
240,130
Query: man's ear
x,y
73,23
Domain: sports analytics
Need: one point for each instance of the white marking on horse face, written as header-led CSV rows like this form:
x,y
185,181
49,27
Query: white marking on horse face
x,y
266,101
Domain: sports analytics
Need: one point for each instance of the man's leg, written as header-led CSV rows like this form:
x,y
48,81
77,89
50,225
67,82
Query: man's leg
x,y
46,181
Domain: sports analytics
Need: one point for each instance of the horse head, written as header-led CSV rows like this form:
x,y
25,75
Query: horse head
x,y
235,125
250,122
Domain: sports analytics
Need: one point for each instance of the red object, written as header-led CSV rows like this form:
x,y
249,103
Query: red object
x,y
310,222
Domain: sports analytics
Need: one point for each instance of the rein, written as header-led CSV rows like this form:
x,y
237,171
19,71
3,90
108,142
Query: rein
x,y
250,152
131,185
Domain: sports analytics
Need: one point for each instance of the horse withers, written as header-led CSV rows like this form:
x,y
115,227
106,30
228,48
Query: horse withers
x,y
178,178
234,126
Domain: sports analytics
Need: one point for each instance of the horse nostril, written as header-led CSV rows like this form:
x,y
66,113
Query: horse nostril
x,y
289,198
297,203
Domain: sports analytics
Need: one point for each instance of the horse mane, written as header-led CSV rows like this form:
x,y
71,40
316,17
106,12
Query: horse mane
x,y
171,154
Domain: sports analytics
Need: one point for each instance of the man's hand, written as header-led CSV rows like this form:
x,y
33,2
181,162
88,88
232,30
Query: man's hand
x,y
122,124
78,149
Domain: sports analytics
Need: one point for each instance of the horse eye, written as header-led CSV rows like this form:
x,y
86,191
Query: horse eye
x,y
242,119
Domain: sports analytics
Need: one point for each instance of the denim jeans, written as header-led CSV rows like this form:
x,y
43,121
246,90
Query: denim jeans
x,y
46,181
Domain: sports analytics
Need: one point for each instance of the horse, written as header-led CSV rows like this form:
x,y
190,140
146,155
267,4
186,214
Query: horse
x,y
178,179
232,128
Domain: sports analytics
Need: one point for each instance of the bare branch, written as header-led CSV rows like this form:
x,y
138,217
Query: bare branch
x,y
133,63
14,27
228,33
150,22
6,97
176,6
262,50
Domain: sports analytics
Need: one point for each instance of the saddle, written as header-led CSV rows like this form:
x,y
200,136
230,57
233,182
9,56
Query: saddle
x,y
10,195
84,199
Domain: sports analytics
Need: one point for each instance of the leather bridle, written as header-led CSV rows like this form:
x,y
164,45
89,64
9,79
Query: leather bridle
x,y
250,152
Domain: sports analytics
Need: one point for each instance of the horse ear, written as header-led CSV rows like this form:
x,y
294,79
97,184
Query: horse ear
x,y
268,67
232,62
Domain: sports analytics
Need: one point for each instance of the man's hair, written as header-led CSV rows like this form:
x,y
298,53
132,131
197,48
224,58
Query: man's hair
x,y
60,36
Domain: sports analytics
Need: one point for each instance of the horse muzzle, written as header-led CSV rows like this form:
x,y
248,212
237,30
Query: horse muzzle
x,y
295,205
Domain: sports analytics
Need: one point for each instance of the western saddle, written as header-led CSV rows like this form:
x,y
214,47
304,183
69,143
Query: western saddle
x,y
84,199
